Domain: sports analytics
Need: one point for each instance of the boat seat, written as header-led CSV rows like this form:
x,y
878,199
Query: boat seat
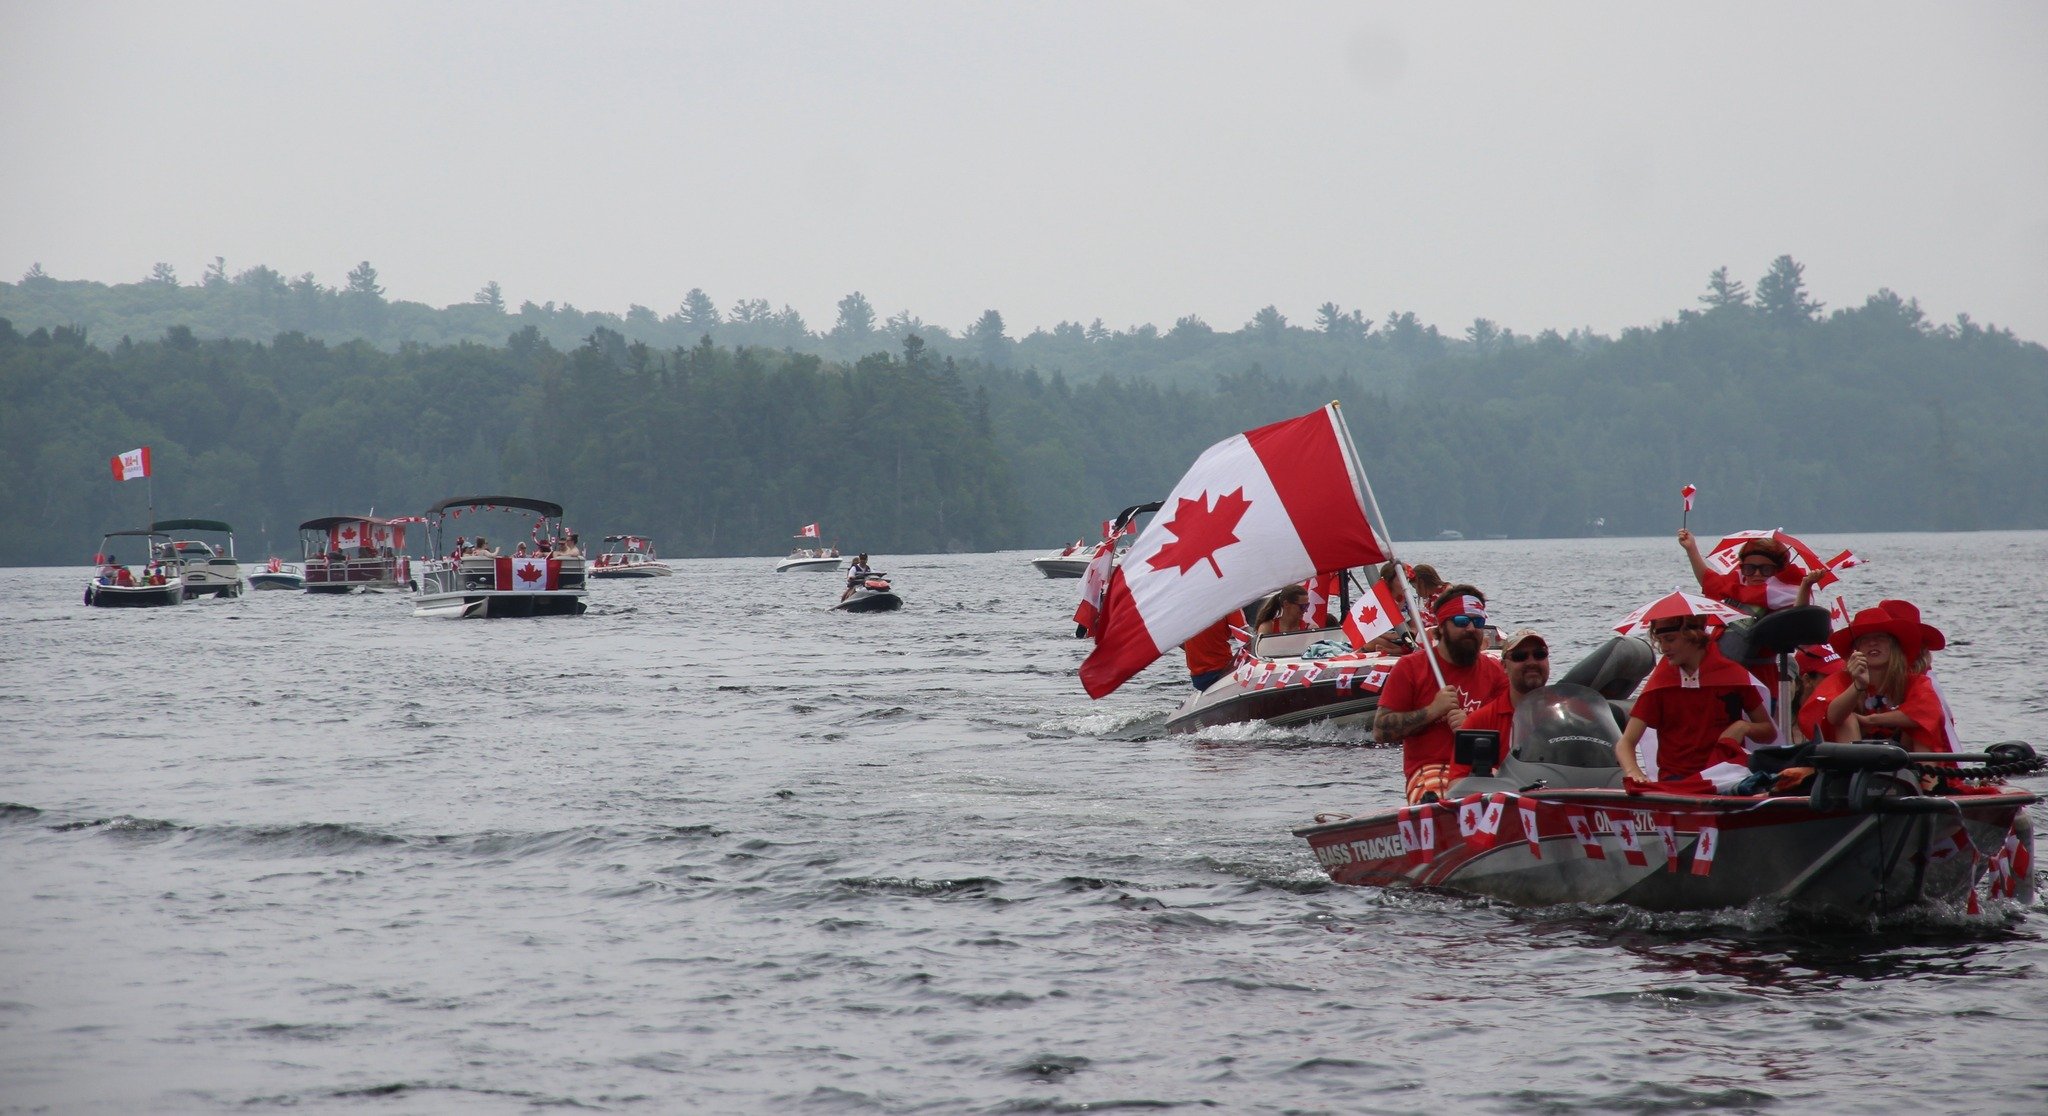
x,y
1779,633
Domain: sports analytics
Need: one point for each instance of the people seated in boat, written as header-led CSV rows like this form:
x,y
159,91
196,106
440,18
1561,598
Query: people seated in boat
x,y
1764,579
482,548
1428,587
123,577
1421,713
1209,655
1285,611
520,550
1704,707
1884,691
857,573
1815,664
1525,657
572,547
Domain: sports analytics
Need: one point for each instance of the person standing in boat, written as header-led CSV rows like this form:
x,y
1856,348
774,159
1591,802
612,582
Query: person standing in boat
x,y
1525,656
1884,691
1763,581
1704,708
1421,714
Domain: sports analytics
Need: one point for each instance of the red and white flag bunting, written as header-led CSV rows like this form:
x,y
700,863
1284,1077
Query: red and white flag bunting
x,y
1667,832
1532,831
1417,825
1479,818
1631,848
1258,510
1582,828
1703,851
1373,615
131,465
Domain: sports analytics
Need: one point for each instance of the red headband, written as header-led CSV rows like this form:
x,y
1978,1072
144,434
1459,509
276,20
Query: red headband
x,y
1463,604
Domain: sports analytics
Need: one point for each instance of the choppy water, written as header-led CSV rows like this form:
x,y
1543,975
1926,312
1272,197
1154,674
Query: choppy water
x,y
713,848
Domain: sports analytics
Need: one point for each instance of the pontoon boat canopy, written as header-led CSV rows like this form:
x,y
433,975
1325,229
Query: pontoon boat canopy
x,y
552,511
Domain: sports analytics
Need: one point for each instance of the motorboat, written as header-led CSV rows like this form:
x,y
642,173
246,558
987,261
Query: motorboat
x,y
208,569
356,553
278,574
628,556
1288,679
483,585
153,584
871,594
1554,824
1071,561
1554,821
811,558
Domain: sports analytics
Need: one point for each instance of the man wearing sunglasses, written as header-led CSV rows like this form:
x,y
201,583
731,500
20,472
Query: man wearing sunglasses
x,y
1414,710
1526,658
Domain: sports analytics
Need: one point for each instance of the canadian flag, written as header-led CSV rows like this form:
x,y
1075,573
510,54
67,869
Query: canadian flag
x,y
1322,589
1417,825
1256,511
1667,832
1240,643
810,531
1374,615
130,465
1631,848
1531,830
529,575
1703,852
348,535
1582,828
1094,581
1688,492
1839,614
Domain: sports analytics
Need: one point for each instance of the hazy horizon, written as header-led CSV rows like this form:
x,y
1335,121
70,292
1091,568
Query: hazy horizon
x,y
1544,167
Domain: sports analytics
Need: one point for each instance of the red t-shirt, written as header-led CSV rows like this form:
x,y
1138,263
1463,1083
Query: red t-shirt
x,y
1210,650
1410,686
1690,718
1922,703
1780,590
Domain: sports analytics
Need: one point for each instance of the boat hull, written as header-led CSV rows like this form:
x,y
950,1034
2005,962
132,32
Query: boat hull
x,y
264,579
808,565
644,569
1682,853
135,596
1061,566
213,579
870,602
492,604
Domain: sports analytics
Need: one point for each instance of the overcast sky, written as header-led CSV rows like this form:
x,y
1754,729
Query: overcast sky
x,y
1543,165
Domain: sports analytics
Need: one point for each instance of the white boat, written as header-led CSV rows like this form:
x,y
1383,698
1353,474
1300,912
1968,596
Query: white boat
x,y
1069,562
351,553
1275,684
813,558
628,556
483,585
114,585
207,569
278,574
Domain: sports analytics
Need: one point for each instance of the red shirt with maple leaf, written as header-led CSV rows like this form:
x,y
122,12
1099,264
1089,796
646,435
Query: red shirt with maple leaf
x,y
1410,686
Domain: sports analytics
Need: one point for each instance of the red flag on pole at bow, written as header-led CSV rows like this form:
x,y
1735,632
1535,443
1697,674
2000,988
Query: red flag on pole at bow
x,y
1256,511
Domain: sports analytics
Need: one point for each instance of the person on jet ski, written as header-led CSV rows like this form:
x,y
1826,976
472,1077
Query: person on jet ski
x,y
856,574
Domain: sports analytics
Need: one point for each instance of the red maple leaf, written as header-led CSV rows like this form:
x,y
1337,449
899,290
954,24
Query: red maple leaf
x,y
1200,531
1368,616
530,572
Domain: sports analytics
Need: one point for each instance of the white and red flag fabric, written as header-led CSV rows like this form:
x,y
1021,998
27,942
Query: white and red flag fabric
x,y
132,465
809,531
1374,614
1688,492
1095,582
1703,850
1256,511
1675,605
1839,614
1322,589
529,575
348,535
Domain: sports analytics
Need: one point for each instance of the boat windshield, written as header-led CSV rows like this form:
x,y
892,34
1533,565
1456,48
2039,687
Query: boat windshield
x,y
1567,725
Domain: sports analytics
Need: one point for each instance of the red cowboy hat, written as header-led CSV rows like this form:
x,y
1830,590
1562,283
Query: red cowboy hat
x,y
1888,618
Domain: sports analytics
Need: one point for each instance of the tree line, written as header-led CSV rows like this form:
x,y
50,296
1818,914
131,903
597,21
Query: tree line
x,y
1782,412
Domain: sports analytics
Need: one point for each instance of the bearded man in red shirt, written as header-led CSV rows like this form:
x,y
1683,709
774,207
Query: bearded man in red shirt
x,y
1423,714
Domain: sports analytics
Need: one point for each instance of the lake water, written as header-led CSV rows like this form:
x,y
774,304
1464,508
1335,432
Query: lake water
x,y
713,848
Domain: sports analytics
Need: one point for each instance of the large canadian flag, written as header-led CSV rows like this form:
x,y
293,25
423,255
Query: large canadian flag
x,y
529,575
810,531
1374,615
131,465
1256,511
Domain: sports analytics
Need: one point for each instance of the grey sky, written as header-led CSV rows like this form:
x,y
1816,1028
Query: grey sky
x,y
1539,164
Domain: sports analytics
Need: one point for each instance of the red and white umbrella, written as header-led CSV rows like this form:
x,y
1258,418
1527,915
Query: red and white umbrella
x,y
1674,605
1728,552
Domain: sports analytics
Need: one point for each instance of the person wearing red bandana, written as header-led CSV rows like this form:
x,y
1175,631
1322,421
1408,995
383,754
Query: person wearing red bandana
x,y
1414,710
1764,579
1884,691
1703,707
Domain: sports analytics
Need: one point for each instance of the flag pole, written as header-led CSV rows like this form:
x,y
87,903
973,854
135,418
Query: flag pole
x,y
1364,485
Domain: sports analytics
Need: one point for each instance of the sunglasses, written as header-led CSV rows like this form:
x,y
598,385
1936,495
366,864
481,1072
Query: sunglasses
x,y
1465,620
1761,569
1538,654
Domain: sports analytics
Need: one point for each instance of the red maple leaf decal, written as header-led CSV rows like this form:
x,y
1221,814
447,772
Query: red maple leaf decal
x,y
530,572
1200,531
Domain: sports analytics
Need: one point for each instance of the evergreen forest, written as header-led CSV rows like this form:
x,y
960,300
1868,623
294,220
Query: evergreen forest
x,y
269,401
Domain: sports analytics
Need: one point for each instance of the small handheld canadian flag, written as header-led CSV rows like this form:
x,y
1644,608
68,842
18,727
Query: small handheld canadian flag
x,y
1688,492
131,465
1374,615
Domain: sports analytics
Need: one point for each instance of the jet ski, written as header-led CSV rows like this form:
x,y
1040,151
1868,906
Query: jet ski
x,y
871,594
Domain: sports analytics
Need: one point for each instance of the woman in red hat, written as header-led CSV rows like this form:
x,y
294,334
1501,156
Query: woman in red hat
x,y
1884,692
